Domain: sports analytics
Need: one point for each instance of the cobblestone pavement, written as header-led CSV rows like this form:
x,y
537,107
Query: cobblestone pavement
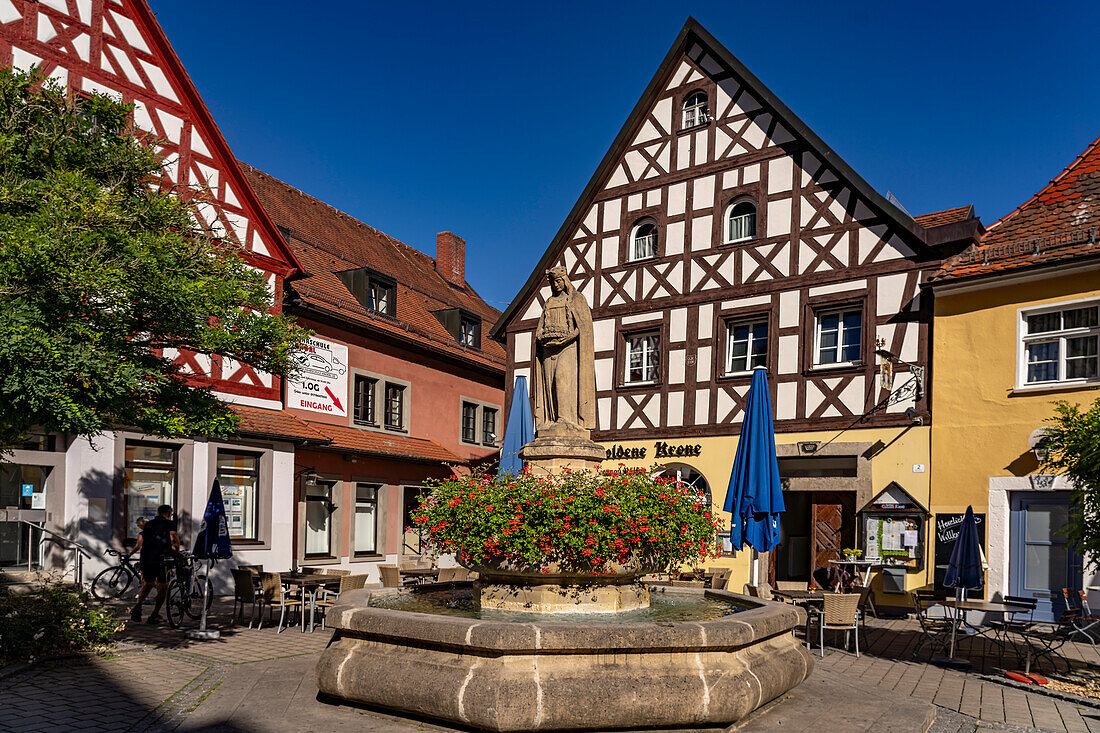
x,y
967,701
156,679
149,681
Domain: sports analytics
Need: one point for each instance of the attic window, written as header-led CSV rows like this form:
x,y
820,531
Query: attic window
x,y
373,290
464,327
283,232
468,334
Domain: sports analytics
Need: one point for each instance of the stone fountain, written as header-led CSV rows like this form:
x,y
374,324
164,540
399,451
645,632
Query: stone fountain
x,y
514,664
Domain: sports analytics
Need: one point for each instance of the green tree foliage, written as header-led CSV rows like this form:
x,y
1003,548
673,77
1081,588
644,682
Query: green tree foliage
x,y
1072,443
102,268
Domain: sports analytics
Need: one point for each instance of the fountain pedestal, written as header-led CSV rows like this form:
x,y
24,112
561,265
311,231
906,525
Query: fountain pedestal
x,y
551,453
550,588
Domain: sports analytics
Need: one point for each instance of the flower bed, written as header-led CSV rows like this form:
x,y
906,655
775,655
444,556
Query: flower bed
x,y
589,522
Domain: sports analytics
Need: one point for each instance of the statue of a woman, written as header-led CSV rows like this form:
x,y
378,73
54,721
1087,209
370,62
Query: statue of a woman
x,y
565,374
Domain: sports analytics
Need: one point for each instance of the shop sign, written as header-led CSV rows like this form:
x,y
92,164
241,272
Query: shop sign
x,y
321,381
661,449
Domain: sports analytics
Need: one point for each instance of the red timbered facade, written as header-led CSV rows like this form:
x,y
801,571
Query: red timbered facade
x,y
97,491
720,233
116,48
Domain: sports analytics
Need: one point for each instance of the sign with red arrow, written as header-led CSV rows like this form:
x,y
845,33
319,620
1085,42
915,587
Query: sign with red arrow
x,y
320,383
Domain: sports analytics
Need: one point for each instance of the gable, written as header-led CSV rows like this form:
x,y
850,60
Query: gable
x,y
815,214
116,48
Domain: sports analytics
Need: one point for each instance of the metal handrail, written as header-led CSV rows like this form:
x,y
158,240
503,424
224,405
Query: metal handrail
x,y
81,551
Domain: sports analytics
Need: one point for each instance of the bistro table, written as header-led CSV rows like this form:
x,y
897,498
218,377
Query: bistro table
x,y
804,598
984,606
310,583
865,574
421,575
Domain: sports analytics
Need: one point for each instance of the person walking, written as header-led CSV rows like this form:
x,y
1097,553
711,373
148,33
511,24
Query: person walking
x,y
157,541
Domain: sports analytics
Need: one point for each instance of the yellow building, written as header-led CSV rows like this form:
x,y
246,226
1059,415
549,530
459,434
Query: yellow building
x,y
819,469
1016,328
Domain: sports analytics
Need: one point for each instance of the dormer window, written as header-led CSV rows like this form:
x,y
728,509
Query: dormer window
x,y
464,327
469,332
374,291
740,221
381,296
643,240
695,110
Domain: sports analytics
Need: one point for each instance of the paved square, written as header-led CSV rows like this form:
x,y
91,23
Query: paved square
x,y
156,679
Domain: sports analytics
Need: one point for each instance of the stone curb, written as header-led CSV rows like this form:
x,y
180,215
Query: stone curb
x,y
1043,690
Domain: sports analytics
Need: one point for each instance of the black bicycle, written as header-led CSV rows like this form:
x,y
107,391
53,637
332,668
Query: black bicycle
x,y
117,580
186,589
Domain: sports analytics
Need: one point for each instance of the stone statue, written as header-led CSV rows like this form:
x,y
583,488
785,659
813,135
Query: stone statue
x,y
565,372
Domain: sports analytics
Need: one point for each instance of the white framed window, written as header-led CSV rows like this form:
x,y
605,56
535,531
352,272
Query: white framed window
x,y
365,530
746,345
1060,344
643,240
839,337
740,221
239,477
642,358
695,110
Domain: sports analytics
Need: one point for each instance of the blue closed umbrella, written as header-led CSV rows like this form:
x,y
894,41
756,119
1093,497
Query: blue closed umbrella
x,y
755,497
964,569
211,543
520,430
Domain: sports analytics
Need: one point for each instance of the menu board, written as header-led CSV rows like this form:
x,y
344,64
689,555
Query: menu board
x,y
892,540
947,530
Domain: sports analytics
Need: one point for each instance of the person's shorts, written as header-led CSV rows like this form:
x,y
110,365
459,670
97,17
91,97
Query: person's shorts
x,y
154,571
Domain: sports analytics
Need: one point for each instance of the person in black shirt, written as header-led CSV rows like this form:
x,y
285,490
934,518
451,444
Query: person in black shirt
x,y
157,542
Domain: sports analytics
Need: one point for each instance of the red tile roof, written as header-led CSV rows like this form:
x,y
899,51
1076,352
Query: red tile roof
x,y
348,439
327,241
1057,224
287,426
945,217
275,424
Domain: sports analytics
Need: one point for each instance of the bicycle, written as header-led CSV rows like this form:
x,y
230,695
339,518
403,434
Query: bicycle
x,y
117,580
184,587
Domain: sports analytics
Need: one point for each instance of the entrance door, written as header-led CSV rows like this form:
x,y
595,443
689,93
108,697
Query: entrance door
x,y
23,495
833,527
1041,563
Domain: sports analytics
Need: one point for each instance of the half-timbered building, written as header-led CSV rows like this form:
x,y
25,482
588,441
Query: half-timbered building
x,y
719,234
95,492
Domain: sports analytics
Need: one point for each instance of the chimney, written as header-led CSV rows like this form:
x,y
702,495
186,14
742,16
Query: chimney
x,y
450,258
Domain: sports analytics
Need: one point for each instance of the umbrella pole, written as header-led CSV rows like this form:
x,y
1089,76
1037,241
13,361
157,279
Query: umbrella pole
x,y
202,632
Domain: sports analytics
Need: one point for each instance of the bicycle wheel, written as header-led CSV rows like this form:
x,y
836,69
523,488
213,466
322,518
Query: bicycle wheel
x,y
177,605
112,583
198,590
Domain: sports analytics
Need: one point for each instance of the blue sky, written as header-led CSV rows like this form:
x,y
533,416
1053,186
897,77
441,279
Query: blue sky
x,y
489,119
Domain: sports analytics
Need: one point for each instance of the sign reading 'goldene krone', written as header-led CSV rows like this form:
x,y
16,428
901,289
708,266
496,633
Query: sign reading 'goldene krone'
x,y
321,381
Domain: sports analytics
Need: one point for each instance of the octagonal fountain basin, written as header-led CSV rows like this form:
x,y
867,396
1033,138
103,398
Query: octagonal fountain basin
x,y
691,659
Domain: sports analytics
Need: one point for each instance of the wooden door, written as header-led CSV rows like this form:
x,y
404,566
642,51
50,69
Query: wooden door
x,y
833,519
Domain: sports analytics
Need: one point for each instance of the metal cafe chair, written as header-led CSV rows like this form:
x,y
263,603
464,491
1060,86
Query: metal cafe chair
x,y
934,631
